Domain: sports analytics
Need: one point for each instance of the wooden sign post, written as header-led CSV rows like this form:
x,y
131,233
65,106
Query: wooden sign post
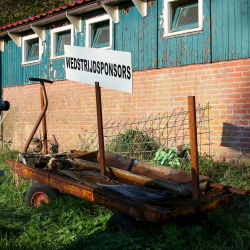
x,y
102,68
100,126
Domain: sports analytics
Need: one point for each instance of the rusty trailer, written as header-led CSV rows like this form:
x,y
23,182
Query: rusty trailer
x,y
216,196
199,194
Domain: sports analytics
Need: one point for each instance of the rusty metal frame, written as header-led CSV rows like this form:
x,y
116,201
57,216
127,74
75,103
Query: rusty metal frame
x,y
194,149
100,126
124,205
40,118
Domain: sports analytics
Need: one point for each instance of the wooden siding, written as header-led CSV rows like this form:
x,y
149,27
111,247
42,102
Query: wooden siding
x,y
230,29
185,49
225,36
11,68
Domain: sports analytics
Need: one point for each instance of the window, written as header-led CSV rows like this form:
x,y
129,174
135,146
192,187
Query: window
x,y
99,32
31,49
60,37
182,16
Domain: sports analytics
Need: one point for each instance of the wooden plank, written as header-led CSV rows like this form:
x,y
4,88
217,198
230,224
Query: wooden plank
x,y
231,25
145,41
200,48
179,51
206,56
154,34
148,48
189,49
225,40
238,31
195,49
184,47
214,29
248,21
136,36
173,54
245,28
141,42
219,30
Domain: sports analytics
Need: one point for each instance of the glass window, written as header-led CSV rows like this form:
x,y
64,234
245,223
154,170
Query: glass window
x,y
101,36
32,49
186,17
63,38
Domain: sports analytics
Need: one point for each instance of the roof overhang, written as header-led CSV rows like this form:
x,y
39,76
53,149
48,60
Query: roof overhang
x,y
50,18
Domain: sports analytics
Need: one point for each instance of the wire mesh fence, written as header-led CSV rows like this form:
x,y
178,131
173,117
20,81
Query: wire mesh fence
x,y
162,139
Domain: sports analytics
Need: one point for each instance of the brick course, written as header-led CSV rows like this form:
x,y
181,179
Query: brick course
x,y
225,85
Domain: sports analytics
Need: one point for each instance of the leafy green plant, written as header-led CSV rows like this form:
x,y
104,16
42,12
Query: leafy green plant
x,y
133,143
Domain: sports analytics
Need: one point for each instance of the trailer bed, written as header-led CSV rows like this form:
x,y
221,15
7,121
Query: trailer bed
x,y
162,211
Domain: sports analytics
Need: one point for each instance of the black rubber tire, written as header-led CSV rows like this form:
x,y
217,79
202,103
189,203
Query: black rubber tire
x,y
121,222
40,187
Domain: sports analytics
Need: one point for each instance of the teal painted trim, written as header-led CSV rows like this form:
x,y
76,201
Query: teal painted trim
x,y
29,58
177,15
59,42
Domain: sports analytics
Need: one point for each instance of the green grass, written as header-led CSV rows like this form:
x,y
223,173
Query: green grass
x,y
73,223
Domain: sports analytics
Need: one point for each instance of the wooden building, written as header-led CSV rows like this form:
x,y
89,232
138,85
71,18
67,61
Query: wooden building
x,y
179,48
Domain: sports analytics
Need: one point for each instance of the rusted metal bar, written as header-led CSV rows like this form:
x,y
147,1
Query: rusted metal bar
x,y
100,126
228,188
38,121
184,189
45,141
193,147
42,81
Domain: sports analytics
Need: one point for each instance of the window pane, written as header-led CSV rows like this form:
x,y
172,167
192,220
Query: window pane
x,y
35,51
103,36
66,40
188,15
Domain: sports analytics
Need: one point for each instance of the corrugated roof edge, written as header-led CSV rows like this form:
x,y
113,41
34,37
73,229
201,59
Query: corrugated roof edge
x,y
49,13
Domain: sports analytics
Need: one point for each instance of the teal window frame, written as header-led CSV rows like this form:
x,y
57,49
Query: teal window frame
x,y
96,36
59,40
29,58
176,17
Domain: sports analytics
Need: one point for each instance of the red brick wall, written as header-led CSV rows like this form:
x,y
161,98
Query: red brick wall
x,y
225,85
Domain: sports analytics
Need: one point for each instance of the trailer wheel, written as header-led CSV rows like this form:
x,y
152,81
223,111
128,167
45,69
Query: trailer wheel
x,y
121,222
38,193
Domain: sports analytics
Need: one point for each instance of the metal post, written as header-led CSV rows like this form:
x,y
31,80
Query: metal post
x,y
193,146
100,126
44,125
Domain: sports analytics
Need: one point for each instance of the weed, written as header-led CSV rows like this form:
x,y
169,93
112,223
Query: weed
x,y
133,143
73,223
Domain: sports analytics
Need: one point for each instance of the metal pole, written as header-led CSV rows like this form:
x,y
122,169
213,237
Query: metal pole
x,y
193,146
44,125
100,126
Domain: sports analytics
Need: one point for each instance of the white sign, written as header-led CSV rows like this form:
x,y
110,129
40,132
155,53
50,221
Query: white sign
x,y
112,69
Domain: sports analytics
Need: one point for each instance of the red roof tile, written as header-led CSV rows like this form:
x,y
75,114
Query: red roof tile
x,y
60,9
